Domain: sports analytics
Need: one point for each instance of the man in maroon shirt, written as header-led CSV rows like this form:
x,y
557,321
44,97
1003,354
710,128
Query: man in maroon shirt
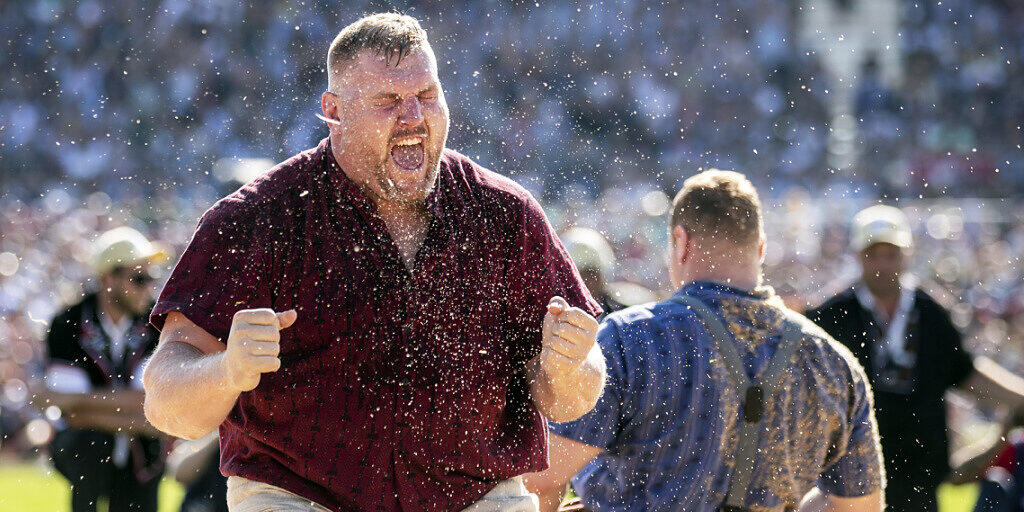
x,y
377,323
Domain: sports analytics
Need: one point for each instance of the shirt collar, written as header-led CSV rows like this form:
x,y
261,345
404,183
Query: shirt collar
x,y
712,288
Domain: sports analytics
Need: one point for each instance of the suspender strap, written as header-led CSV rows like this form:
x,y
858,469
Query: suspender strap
x,y
753,394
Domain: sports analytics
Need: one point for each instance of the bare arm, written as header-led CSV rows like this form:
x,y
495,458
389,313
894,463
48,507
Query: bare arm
x,y
970,462
193,380
567,458
817,501
109,410
128,401
567,377
996,385
112,421
567,397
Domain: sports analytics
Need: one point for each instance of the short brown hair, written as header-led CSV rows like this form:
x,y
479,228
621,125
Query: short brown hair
x,y
719,204
389,34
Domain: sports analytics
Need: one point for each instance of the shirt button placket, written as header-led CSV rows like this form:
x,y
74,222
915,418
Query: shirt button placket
x,y
405,394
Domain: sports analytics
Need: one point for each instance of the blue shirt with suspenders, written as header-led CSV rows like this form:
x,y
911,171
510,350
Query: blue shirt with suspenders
x,y
692,421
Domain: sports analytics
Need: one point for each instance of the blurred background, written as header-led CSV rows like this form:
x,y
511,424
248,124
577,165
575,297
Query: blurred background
x,y
142,114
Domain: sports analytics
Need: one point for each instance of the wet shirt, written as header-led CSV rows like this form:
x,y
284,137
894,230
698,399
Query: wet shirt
x,y
398,389
668,417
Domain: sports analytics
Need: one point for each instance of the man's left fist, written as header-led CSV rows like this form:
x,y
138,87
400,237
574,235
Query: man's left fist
x,y
567,337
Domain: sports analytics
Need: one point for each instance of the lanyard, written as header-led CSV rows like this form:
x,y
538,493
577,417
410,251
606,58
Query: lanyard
x,y
894,334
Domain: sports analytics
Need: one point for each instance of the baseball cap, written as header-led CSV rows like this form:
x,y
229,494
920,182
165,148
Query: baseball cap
x,y
880,224
124,247
589,249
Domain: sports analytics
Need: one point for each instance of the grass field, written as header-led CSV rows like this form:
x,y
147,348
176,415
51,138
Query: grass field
x,y
37,488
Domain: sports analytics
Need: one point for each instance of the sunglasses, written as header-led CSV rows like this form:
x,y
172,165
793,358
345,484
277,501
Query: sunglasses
x,y
137,278
141,279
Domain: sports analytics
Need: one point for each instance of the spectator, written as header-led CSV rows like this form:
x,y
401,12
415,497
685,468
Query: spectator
x,y
96,351
709,399
913,354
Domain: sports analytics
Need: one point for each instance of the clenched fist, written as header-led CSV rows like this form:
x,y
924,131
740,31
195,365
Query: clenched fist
x,y
253,345
568,335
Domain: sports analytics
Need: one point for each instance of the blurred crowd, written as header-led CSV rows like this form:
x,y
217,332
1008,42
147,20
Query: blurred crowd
x,y
148,94
115,113
953,123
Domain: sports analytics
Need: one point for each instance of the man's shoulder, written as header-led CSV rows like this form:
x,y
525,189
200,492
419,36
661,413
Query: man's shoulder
x,y
480,184
271,194
71,314
828,349
838,304
646,322
925,301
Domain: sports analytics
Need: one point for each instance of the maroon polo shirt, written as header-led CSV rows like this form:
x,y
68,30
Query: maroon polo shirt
x,y
398,390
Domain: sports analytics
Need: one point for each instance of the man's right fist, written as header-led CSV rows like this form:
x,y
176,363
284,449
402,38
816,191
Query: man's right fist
x,y
253,345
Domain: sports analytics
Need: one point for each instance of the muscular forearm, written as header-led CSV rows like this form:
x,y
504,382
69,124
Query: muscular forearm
x,y
970,462
996,385
113,422
569,396
187,392
127,401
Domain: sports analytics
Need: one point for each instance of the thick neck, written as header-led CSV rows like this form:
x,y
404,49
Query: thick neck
x,y
738,267
744,277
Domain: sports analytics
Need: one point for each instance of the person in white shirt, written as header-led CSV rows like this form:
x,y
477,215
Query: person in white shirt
x,y
105,447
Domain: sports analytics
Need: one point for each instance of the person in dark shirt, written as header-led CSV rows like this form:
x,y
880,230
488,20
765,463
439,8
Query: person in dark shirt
x,y
377,323
913,354
96,350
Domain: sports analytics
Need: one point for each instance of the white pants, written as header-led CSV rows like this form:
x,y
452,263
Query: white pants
x,y
252,496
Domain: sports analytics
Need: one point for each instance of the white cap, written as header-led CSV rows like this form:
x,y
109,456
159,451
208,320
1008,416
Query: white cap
x,y
880,224
589,249
124,247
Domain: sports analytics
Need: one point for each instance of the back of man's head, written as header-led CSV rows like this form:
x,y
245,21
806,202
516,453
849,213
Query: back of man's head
x,y
389,34
719,207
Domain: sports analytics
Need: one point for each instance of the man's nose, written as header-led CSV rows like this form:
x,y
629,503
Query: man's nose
x,y
412,112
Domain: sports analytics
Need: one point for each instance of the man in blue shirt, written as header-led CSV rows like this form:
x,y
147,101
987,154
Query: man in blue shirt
x,y
698,413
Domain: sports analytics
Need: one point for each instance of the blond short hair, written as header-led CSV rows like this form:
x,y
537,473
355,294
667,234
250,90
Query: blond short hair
x,y
722,205
389,34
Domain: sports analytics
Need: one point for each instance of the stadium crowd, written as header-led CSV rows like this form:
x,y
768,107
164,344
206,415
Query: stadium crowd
x,y
149,94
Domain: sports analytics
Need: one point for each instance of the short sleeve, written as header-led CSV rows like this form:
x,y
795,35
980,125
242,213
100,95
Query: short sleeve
x,y
603,424
220,272
859,470
540,269
61,345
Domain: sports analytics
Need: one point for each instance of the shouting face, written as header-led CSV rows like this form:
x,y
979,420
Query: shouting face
x,y
391,123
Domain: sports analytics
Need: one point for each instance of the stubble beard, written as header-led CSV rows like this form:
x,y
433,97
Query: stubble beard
x,y
389,191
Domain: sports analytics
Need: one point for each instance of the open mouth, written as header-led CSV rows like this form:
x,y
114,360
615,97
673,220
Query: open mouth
x,y
408,153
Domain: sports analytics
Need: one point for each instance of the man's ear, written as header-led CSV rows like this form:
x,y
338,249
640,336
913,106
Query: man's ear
x,y
761,246
329,105
680,243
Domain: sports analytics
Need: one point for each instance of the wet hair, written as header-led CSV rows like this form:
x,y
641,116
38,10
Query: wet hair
x,y
389,34
722,205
